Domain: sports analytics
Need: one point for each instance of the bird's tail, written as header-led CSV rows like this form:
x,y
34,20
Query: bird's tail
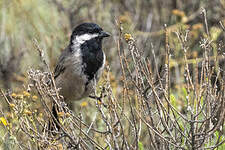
x,y
54,122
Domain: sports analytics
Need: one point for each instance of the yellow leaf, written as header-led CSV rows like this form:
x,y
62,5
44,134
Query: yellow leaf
x,y
3,121
61,114
83,104
184,19
99,102
34,97
67,114
13,95
26,94
20,96
197,26
27,112
178,13
127,36
11,105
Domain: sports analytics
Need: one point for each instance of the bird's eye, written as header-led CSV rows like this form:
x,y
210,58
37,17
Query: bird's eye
x,y
97,30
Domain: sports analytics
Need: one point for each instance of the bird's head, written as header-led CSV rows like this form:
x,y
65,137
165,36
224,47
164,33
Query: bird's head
x,y
87,31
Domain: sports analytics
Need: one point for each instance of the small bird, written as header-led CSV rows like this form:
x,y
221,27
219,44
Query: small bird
x,y
81,64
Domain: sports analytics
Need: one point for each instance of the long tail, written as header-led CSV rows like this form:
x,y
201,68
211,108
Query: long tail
x,y
53,124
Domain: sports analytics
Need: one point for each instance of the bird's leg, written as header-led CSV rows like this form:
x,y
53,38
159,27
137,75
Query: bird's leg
x,y
98,98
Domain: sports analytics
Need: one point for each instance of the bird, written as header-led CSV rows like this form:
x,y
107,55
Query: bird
x,y
81,63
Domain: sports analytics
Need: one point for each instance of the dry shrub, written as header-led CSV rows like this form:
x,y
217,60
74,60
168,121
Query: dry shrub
x,y
148,112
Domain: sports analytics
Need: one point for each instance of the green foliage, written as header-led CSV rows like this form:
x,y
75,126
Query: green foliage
x,y
173,100
140,146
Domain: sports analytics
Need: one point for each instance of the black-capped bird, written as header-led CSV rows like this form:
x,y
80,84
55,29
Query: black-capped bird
x,y
81,64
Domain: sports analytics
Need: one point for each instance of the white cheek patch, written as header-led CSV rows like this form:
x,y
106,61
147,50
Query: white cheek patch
x,y
80,39
84,37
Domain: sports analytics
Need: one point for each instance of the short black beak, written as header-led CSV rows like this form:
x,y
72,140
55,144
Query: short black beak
x,y
104,34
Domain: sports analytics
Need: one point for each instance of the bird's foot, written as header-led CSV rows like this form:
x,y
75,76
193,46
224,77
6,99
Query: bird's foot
x,y
99,99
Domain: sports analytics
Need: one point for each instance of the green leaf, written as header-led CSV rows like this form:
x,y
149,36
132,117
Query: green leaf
x,y
184,91
173,100
140,146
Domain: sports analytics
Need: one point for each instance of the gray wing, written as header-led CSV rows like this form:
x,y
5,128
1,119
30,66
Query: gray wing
x,y
60,67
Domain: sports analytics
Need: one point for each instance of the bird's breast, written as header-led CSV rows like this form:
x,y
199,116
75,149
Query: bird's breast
x,y
81,74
